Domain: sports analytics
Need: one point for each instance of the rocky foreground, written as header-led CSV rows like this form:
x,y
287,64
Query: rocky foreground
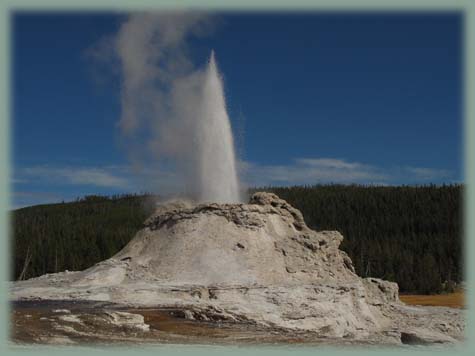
x,y
254,266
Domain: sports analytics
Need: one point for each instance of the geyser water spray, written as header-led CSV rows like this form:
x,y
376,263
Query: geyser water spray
x,y
217,174
174,117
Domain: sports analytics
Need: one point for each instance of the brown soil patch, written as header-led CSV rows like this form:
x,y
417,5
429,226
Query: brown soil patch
x,y
453,300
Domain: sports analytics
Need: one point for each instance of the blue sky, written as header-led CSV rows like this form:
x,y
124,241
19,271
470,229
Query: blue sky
x,y
313,98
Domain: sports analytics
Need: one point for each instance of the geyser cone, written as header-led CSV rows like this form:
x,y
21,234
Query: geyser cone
x,y
218,180
256,263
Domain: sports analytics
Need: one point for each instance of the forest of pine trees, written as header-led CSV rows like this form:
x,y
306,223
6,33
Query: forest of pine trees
x,y
410,235
74,236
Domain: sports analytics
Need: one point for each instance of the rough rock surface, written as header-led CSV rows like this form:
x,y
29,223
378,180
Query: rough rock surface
x,y
251,263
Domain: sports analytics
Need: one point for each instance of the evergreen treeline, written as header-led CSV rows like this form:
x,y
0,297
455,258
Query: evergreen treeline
x,y
74,236
411,235
408,234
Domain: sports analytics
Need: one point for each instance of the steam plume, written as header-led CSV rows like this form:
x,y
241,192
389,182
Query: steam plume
x,y
172,112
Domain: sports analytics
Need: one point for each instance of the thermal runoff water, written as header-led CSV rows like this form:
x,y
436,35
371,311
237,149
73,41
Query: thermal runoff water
x,y
217,173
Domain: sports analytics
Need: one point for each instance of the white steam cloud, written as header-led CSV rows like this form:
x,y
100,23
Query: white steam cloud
x,y
162,95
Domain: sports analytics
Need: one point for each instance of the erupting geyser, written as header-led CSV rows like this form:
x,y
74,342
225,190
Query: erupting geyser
x,y
217,176
255,265
173,116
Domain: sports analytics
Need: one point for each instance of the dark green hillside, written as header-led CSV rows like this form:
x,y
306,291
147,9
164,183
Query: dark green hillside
x,y
76,235
411,235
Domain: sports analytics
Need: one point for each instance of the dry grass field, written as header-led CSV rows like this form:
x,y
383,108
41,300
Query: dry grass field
x,y
453,300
